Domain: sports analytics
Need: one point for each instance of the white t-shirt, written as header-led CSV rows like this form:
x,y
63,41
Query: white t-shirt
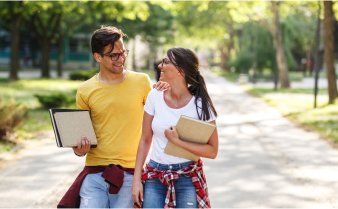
x,y
164,117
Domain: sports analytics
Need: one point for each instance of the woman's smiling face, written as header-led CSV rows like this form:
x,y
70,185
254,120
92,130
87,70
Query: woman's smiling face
x,y
168,70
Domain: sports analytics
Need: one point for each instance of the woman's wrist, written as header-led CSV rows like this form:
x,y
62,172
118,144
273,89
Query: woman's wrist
x,y
176,141
137,179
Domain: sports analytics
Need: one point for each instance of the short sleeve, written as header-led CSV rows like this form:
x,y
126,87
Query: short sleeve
x,y
149,107
147,88
80,102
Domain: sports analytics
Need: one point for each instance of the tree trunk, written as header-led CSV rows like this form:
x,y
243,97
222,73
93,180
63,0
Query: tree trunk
x,y
329,51
15,42
223,55
279,47
45,46
60,55
254,61
316,57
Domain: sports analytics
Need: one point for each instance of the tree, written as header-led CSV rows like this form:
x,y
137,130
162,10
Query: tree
x,y
279,46
329,50
59,20
74,15
12,13
44,20
215,26
317,58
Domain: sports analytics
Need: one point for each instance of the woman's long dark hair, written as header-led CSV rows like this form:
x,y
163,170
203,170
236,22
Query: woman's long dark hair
x,y
187,63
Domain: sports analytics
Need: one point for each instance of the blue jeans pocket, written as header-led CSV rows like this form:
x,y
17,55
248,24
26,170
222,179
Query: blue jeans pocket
x,y
155,193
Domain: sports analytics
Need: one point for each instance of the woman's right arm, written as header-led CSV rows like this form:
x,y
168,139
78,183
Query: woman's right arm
x,y
142,152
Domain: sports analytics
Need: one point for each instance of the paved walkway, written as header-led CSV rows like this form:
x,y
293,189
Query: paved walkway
x,y
263,161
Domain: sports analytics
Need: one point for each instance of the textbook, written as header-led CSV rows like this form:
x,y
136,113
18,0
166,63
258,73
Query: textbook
x,y
70,125
190,130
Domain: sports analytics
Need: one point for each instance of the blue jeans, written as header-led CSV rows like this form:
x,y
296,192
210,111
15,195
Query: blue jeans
x,y
155,192
94,193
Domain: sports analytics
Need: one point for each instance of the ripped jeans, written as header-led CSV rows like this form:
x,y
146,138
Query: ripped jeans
x,y
94,193
155,192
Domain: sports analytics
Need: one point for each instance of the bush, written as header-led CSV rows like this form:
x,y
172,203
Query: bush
x,y
11,115
54,100
83,74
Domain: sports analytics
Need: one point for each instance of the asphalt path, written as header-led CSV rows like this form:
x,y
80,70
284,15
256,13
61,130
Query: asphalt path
x,y
263,161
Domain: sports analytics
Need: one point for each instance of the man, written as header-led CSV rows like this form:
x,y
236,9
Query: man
x,y
157,70
115,98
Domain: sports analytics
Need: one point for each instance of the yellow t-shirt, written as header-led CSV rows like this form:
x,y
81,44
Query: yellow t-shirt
x,y
117,113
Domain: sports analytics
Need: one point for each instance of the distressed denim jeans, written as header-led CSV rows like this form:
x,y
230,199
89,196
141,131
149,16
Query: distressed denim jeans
x,y
94,193
155,192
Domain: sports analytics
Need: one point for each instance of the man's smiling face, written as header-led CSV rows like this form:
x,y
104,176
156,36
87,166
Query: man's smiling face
x,y
117,66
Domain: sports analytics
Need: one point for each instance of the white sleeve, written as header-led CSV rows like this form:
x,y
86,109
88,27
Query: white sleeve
x,y
149,107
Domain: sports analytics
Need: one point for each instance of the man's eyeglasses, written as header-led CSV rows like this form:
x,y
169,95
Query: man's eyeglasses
x,y
166,61
116,56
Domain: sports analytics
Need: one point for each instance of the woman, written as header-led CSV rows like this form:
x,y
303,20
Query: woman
x,y
172,181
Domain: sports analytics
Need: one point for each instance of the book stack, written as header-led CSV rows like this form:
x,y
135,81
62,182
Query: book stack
x,y
190,130
70,125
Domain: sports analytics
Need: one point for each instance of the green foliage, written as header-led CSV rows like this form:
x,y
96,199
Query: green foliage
x,y
265,52
38,119
11,116
83,74
36,123
55,100
157,29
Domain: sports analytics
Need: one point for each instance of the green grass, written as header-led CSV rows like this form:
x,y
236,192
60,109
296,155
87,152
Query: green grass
x,y
6,146
297,104
233,76
23,91
38,121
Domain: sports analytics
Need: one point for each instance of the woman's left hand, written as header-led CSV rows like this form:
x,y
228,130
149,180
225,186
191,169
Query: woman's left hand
x,y
171,134
161,86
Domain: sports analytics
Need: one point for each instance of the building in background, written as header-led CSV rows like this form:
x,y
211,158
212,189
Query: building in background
x,y
76,54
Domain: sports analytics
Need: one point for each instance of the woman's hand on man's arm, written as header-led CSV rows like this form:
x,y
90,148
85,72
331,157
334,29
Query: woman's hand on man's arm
x,y
161,86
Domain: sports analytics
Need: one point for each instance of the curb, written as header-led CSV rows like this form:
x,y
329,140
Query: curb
x,y
25,144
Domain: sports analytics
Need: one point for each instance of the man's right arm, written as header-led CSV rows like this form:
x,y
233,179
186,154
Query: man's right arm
x,y
83,145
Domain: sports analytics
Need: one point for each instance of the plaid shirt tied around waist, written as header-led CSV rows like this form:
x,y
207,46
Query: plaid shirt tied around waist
x,y
195,170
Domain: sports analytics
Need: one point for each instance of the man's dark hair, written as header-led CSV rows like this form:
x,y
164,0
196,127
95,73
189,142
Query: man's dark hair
x,y
106,35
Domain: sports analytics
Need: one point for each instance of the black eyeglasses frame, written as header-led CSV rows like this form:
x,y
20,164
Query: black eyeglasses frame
x,y
166,60
125,53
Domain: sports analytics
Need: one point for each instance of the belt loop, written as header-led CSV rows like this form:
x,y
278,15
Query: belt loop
x,y
157,164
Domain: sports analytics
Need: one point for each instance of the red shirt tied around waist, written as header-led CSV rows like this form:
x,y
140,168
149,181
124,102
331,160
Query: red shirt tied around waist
x,y
195,170
112,173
